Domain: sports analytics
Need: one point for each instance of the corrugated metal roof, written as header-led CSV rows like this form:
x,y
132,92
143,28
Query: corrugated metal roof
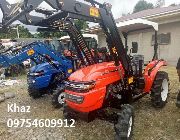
x,y
150,12
141,14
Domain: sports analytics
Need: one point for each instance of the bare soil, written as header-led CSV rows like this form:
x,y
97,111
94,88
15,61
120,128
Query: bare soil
x,y
150,123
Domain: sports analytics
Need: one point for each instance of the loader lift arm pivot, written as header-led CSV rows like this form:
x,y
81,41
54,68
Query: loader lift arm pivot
x,y
96,12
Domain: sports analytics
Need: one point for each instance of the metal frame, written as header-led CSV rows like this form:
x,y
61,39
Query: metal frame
x,y
143,25
32,51
78,10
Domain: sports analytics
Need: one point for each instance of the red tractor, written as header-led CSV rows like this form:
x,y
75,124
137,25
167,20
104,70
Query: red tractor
x,y
114,84
117,83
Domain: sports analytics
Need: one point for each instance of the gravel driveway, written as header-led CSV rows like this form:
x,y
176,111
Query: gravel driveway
x,y
150,123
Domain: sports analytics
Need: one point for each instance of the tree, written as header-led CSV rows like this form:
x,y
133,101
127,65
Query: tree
x,y
45,34
79,23
160,3
24,32
173,4
142,5
11,32
8,33
42,34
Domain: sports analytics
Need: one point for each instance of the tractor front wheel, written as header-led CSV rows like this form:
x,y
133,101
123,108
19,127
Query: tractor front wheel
x,y
35,94
125,123
58,98
160,90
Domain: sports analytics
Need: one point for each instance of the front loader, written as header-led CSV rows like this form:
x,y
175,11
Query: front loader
x,y
49,63
114,84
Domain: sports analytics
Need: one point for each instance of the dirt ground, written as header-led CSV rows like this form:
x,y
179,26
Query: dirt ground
x,y
150,123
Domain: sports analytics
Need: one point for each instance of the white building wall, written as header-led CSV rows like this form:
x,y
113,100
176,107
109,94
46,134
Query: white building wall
x,y
144,43
170,52
102,40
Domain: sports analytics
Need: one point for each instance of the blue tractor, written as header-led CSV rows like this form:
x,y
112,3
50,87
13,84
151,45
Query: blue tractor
x,y
51,66
43,78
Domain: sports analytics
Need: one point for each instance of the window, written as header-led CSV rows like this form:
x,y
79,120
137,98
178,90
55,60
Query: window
x,y
163,39
134,47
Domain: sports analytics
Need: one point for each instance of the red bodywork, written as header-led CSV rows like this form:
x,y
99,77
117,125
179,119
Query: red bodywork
x,y
149,77
104,74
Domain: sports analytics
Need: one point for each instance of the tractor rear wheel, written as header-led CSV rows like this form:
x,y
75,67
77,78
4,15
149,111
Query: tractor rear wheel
x,y
58,97
160,90
125,123
35,94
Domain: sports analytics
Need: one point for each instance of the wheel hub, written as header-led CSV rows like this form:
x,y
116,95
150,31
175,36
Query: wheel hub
x,y
61,98
130,127
164,91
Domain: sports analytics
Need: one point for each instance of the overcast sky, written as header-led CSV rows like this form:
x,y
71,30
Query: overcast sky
x,y
118,6
126,6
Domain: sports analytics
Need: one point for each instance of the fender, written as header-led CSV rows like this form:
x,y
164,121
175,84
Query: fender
x,y
150,73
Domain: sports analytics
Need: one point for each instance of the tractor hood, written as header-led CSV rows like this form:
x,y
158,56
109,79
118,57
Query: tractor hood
x,y
44,66
93,72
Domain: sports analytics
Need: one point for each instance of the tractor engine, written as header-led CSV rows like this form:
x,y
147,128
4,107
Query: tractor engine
x,y
137,64
114,95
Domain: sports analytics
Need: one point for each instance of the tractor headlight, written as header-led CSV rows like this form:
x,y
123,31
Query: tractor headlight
x,y
85,86
38,73
80,86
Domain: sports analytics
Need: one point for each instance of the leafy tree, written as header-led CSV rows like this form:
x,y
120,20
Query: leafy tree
x,y
24,32
160,3
11,32
42,34
173,4
45,34
79,23
142,5
8,33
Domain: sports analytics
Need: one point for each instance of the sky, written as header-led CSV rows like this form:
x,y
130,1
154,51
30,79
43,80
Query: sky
x,y
118,6
126,6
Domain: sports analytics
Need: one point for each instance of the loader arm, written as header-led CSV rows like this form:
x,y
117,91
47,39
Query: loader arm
x,y
33,51
93,12
77,38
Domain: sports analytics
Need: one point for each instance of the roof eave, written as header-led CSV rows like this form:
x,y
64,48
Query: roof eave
x,y
173,12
